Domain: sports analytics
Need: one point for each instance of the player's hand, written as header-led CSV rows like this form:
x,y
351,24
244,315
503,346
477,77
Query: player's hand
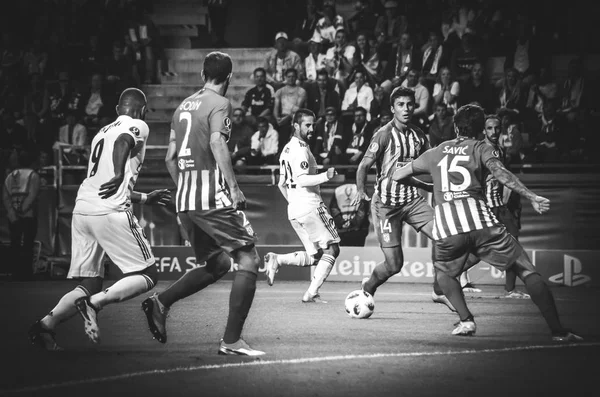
x,y
238,198
331,172
160,197
360,197
111,187
540,204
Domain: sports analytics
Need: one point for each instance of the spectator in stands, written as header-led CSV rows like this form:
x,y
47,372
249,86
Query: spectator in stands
x,y
240,140
62,97
322,95
351,220
91,58
305,30
265,144
259,99
524,53
281,59
329,24
142,42
392,24
13,139
379,105
512,95
36,109
339,59
464,57
20,198
400,62
441,128
364,20
510,138
434,58
217,12
118,70
355,145
421,113
35,59
547,149
369,59
72,143
358,95
97,104
446,90
329,138
574,96
385,118
544,88
288,99
315,60
478,89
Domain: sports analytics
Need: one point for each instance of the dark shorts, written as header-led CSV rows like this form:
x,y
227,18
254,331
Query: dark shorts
x,y
214,231
388,220
493,245
507,218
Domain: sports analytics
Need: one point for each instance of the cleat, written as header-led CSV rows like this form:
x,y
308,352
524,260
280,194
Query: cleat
x,y
470,288
514,294
43,337
566,336
239,348
271,267
443,300
465,328
88,314
308,298
156,314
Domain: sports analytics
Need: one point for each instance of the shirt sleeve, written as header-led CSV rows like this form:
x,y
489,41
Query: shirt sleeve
x,y
422,163
219,119
437,88
455,88
139,130
378,144
299,162
485,152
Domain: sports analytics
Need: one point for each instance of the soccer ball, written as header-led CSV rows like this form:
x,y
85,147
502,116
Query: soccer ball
x,y
359,304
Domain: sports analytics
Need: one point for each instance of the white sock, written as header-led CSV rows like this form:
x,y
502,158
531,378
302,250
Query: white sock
x,y
321,272
126,288
64,309
298,258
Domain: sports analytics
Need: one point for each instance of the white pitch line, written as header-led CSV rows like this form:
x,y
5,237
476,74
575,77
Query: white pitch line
x,y
292,361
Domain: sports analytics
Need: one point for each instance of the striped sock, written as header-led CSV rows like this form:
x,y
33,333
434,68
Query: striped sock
x,y
298,258
321,272
64,309
124,289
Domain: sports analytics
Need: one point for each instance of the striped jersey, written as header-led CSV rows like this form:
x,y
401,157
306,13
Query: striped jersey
x,y
200,183
296,159
494,190
458,171
101,168
392,148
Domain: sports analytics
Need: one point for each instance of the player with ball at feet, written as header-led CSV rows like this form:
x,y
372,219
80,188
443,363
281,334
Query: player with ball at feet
x,y
310,218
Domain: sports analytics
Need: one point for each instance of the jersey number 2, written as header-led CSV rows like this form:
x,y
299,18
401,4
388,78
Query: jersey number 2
x,y
185,151
454,167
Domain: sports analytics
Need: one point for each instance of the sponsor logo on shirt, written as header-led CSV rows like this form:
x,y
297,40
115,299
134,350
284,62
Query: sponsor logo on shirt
x,y
449,196
185,164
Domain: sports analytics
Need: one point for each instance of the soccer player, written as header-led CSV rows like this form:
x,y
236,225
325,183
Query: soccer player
x,y
209,203
310,218
464,224
393,203
103,222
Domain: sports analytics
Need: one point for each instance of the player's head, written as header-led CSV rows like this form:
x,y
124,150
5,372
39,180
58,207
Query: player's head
x,y
132,103
217,70
469,121
402,103
492,128
303,123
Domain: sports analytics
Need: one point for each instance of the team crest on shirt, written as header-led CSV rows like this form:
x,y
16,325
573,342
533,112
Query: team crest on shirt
x,y
304,165
135,130
386,237
227,123
448,196
374,147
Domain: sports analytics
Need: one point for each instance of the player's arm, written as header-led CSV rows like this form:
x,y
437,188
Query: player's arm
x,y
540,204
361,175
34,189
6,200
218,145
171,157
317,179
282,188
160,197
121,153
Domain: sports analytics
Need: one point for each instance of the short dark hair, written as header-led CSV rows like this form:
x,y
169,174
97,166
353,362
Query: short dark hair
x,y
262,120
259,69
469,120
301,113
322,72
217,66
360,109
492,116
402,92
239,110
290,70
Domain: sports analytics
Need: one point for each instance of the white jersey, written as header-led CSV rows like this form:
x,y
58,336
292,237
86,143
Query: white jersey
x,y
296,160
101,168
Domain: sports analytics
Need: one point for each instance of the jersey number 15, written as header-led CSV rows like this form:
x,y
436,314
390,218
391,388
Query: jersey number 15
x,y
455,168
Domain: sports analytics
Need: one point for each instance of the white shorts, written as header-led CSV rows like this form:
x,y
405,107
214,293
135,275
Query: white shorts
x,y
118,234
316,230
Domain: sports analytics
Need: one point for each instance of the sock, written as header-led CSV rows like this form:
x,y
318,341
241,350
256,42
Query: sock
x,y
453,292
298,258
191,282
126,288
64,309
321,272
240,301
543,299
511,278
380,275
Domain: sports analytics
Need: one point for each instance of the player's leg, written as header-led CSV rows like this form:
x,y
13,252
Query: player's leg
x,y
388,225
505,216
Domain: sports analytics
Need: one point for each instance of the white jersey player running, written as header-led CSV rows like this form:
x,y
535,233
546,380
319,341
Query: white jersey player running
x,y
310,218
103,222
